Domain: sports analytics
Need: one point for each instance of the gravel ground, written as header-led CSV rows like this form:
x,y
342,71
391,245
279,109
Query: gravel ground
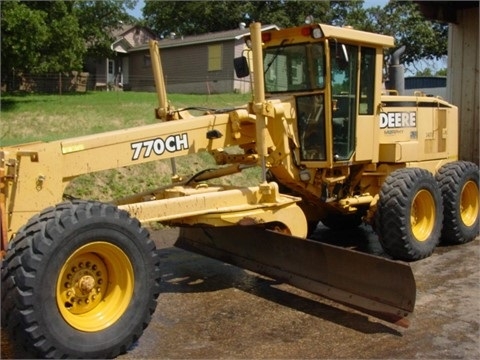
x,y
209,309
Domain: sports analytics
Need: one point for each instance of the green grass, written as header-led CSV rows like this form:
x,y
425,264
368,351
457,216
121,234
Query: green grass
x,y
52,117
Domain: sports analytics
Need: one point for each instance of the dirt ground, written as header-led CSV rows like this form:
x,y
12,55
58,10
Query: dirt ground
x,y
210,310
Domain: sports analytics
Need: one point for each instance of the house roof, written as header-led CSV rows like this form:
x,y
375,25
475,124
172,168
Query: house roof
x,y
235,34
122,44
121,30
124,29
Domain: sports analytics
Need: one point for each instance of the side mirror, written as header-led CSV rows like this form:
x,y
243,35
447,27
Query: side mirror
x,y
240,65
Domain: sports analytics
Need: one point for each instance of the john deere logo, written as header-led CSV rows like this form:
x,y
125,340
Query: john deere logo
x,y
394,120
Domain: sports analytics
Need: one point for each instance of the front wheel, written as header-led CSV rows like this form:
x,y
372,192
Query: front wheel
x,y
409,214
458,182
80,280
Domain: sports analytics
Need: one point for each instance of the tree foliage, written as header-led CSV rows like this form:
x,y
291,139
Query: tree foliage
x,y
39,37
47,36
57,36
401,19
98,19
193,17
423,39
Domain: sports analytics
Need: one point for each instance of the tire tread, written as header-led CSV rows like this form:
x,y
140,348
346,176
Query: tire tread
x,y
392,215
23,261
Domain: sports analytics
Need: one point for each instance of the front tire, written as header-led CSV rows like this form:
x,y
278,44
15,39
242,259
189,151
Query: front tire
x,y
80,280
458,182
409,214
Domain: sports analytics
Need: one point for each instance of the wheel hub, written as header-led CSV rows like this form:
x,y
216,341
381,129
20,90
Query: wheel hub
x,y
422,215
95,286
469,203
84,285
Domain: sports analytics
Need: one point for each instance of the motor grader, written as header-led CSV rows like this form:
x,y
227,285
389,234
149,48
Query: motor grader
x,y
81,278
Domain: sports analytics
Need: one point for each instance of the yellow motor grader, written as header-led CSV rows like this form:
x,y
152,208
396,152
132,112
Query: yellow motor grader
x,y
80,278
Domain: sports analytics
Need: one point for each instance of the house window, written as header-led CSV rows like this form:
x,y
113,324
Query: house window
x,y
147,61
110,66
215,57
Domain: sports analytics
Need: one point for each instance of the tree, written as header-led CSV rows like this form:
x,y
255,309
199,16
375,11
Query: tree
x,y
287,13
346,13
190,17
194,18
428,68
57,36
400,19
40,37
98,20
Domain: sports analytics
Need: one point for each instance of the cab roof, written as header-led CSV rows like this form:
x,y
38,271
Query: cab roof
x,y
344,34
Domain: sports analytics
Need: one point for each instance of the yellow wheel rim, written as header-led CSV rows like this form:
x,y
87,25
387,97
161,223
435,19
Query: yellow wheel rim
x,y
95,286
469,203
422,215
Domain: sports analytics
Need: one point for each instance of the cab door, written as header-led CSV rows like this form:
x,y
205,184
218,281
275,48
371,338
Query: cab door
x,y
344,95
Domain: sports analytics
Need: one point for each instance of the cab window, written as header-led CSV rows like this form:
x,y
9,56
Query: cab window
x,y
343,63
367,81
299,67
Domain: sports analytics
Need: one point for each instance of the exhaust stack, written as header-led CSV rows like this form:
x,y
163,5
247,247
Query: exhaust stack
x,y
396,72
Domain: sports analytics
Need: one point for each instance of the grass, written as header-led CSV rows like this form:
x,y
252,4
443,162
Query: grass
x,y
51,117
31,118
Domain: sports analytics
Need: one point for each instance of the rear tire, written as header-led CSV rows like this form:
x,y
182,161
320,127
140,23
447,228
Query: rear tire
x,y
409,214
80,280
458,183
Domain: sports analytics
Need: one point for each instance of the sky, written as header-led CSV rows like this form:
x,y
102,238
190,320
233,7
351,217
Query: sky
x,y
137,12
371,3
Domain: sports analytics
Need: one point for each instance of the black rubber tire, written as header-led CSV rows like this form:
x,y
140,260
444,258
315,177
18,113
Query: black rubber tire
x,y
34,263
408,195
458,182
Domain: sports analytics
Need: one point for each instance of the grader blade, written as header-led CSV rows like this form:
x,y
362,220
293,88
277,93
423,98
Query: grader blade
x,y
376,286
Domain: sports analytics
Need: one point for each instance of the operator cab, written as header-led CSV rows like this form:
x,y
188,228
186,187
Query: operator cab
x,y
331,73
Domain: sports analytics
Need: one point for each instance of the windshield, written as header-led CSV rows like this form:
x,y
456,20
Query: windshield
x,y
287,68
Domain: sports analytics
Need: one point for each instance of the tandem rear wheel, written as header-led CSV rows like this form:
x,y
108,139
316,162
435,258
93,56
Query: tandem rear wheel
x,y
80,280
416,210
458,182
